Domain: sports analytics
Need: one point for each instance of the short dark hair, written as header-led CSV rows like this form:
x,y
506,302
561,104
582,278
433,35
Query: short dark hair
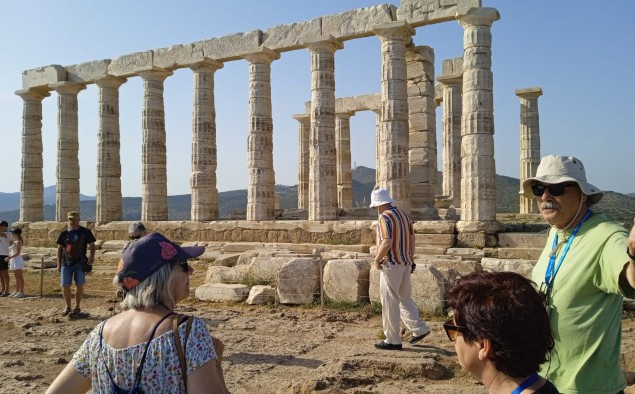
x,y
505,308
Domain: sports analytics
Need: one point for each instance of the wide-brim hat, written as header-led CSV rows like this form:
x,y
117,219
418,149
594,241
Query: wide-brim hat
x,y
145,256
558,169
380,197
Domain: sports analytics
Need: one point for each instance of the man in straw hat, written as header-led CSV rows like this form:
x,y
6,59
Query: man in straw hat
x,y
585,270
395,260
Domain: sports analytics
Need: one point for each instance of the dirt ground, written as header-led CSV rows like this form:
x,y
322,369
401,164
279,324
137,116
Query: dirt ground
x,y
268,349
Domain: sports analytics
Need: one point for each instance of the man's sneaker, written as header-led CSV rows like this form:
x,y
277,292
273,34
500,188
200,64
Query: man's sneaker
x,y
12,294
19,295
417,338
387,346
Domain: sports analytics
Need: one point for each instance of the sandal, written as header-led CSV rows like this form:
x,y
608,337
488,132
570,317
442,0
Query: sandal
x,y
66,311
76,312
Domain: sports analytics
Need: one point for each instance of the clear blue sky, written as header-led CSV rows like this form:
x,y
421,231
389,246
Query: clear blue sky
x,y
580,52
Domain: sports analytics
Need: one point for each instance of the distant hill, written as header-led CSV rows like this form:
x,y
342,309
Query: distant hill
x,y
619,207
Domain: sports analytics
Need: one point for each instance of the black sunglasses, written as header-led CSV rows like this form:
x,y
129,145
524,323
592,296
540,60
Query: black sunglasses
x,y
452,330
555,189
184,266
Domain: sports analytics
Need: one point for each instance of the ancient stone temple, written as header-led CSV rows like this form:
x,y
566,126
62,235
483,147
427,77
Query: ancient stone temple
x,y
406,143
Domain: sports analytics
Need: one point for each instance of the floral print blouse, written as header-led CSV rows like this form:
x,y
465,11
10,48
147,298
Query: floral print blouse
x,y
162,370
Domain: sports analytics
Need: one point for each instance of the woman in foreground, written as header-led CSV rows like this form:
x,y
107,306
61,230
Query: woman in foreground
x,y
501,331
135,351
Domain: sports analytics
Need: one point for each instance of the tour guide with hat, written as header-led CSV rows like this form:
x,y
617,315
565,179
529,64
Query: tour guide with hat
x,y
395,260
586,268
71,252
139,350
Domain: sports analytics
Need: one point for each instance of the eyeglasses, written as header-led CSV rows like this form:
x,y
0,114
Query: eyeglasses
x,y
452,330
555,189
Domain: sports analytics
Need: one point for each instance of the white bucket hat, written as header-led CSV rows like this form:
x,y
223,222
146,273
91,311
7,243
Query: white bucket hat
x,y
558,169
380,197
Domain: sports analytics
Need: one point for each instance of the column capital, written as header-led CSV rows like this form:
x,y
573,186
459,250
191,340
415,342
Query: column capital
x,y
398,30
482,16
207,65
326,42
438,94
154,74
67,87
110,81
302,117
450,79
32,94
529,93
344,114
261,55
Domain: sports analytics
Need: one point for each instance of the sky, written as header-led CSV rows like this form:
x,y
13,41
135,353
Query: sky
x,y
580,52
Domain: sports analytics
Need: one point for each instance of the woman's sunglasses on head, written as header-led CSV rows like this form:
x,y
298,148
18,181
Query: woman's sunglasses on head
x,y
555,190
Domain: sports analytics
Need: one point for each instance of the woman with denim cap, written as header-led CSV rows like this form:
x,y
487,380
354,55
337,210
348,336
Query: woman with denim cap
x,y
135,351
501,331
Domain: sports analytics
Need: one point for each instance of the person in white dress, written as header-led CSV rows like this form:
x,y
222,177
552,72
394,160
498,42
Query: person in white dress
x,y
16,263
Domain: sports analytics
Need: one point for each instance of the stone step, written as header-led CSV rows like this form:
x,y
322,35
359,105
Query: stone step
x,y
446,240
519,253
522,240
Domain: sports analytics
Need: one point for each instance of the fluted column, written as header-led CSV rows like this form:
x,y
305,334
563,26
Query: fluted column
x,y
529,141
154,189
67,189
478,168
452,92
204,158
322,172
343,152
394,135
422,145
261,192
32,185
378,176
304,130
108,205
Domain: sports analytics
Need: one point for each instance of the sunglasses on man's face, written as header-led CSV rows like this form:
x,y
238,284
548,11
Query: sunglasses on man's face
x,y
452,330
555,189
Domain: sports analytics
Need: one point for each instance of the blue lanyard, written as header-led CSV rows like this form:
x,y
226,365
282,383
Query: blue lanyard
x,y
528,382
550,274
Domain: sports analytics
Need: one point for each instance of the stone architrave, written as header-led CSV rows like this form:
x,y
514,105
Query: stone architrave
x,y
478,168
343,151
204,155
394,130
109,200
529,141
32,185
154,192
261,191
452,86
322,157
422,145
67,188
304,128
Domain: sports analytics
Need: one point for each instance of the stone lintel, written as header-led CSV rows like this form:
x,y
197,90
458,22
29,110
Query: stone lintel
x,y
484,16
397,30
87,72
230,47
289,37
261,55
129,65
450,79
358,22
177,56
209,65
529,93
67,87
41,77
33,93
426,12
327,42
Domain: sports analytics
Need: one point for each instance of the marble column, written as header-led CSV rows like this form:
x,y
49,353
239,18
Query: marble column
x,y
32,185
422,145
108,206
261,192
529,141
378,177
304,129
394,135
67,188
343,151
452,92
204,199
322,169
154,189
478,168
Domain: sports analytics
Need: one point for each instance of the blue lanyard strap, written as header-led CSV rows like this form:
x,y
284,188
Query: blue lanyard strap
x,y
528,382
550,274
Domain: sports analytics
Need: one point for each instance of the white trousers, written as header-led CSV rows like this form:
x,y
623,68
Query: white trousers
x,y
395,292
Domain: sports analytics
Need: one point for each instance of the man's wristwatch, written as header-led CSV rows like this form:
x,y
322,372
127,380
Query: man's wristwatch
x,y
628,252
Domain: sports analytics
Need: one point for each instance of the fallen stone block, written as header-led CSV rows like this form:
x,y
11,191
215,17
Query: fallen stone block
x,y
221,292
347,280
260,294
299,281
